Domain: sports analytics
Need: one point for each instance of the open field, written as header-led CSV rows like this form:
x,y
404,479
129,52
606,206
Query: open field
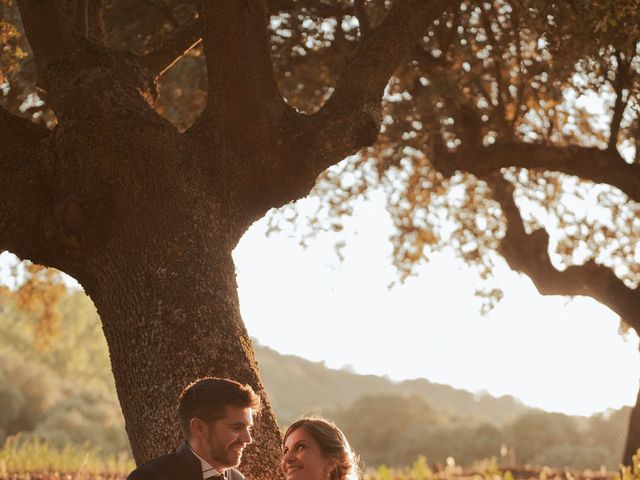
x,y
38,460
35,459
94,469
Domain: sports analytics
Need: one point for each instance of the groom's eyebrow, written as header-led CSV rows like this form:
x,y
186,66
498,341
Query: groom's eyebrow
x,y
241,424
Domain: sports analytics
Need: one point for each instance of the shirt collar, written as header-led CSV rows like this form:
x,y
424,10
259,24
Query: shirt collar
x,y
207,470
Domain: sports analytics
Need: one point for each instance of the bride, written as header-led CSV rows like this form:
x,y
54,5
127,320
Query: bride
x,y
315,449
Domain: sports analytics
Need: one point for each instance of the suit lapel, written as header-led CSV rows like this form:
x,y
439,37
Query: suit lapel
x,y
191,463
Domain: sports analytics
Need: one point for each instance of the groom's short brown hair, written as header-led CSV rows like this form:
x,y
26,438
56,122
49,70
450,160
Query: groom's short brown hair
x,y
207,398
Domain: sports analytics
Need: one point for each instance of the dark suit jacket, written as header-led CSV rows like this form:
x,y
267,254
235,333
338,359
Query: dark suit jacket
x,y
180,465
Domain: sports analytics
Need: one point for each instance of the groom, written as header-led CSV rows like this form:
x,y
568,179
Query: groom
x,y
216,418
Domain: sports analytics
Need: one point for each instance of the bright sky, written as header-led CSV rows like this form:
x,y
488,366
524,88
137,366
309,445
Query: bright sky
x,y
550,352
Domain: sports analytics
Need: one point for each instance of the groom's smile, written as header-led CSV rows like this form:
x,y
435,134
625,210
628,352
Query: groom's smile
x,y
229,436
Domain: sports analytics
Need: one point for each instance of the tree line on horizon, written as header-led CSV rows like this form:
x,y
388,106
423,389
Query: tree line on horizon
x,y
63,392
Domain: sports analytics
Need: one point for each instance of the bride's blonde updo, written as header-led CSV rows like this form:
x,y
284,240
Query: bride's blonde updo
x,y
332,443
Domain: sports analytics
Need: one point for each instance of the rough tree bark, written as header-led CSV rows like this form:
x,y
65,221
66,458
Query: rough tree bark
x,y
146,218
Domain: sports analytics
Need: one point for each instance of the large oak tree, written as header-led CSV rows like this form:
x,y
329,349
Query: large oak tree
x,y
144,213
485,149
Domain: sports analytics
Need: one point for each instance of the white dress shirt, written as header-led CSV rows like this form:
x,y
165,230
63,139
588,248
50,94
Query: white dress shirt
x,y
207,470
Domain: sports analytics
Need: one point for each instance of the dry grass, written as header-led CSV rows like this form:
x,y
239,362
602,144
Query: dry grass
x,y
35,459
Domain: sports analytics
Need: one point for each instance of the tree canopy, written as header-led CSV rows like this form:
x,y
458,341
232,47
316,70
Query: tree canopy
x,y
511,132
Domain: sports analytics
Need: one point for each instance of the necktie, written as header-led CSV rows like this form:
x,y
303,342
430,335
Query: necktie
x,y
209,475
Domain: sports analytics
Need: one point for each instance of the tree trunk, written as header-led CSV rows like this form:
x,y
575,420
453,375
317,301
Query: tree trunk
x,y
633,434
180,317
163,280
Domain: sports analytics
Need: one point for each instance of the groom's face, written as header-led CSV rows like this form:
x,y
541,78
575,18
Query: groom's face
x,y
229,435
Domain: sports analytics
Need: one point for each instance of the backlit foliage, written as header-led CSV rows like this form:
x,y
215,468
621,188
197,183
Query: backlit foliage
x,y
555,74
39,292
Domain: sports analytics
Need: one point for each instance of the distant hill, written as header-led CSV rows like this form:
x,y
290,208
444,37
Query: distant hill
x,y
296,385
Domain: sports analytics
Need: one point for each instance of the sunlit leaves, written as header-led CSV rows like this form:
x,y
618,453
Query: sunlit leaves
x,y
15,64
531,71
39,292
309,53
331,202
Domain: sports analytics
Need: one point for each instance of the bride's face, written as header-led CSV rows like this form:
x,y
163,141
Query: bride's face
x,y
302,458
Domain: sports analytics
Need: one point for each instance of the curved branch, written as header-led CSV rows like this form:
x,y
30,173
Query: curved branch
x,y
600,166
23,196
50,34
244,100
528,254
348,121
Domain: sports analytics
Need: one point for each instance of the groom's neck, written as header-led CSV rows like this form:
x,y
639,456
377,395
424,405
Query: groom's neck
x,y
201,449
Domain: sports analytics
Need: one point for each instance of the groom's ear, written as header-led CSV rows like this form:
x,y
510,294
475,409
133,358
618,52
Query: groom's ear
x,y
198,427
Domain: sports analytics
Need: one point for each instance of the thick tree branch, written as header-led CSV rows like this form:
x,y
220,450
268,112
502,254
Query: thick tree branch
x,y
173,48
528,254
50,34
244,101
600,166
348,121
22,185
